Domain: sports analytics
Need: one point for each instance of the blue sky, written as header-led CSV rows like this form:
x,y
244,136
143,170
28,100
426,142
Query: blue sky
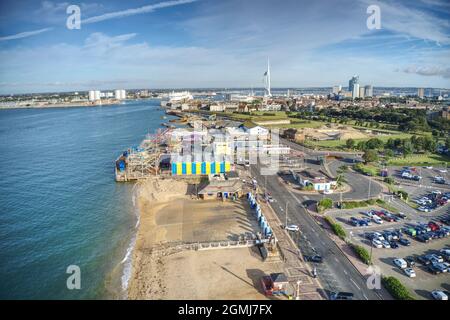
x,y
221,43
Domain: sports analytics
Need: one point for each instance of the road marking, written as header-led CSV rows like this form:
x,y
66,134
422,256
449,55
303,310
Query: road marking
x,y
336,259
355,284
345,272
365,297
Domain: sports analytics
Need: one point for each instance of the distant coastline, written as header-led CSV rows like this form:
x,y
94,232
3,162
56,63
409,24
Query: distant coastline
x,y
69,104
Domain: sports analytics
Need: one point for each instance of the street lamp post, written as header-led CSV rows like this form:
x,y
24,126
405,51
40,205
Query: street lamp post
x,y
286,215
298,290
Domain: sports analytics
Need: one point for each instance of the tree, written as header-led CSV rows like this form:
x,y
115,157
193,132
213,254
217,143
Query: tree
x,y
389,153
350,143
407,148
370,156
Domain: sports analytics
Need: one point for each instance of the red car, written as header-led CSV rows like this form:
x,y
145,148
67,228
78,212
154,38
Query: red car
x,y
433,226
389,219
380,214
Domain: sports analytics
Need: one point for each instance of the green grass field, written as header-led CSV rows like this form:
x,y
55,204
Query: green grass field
x,y
420,160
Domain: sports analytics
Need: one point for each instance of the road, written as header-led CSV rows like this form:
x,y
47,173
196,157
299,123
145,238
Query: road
x,y
336,273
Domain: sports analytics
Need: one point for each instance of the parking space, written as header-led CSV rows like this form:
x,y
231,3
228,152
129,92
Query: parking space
x,y
424,282
412,235
428,177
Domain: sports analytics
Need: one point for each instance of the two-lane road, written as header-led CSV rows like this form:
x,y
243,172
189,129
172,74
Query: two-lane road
x,y
336,273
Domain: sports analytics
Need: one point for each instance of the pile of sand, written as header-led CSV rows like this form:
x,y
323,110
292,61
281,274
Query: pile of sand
x,y
161,190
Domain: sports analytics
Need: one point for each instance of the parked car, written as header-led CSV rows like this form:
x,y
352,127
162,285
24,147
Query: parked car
x,y
423,209
410,261
439,295
401,215
423,238
354,221
433,269
401,263
440,266
433,226
377,220
393,244
368,213
425,260
404,241
377,243
410,272
378,236
386,244
436,258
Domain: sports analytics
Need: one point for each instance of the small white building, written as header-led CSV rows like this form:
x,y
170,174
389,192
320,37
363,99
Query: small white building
x,y
318,180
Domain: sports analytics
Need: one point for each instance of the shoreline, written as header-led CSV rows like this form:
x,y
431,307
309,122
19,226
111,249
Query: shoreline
x,y
146,277
70,105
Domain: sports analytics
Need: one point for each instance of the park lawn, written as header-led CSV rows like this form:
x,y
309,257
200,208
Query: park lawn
x,y
298,124
342,143
420,160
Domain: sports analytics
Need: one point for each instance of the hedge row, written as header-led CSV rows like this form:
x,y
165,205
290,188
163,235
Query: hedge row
x,y
324,204
357,204
337,228
362,253
396,288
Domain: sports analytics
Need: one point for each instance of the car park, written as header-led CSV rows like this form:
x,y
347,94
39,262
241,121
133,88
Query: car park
x,y
439,295
410,272
401,263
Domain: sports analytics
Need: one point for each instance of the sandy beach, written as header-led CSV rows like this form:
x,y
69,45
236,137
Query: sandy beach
x,y
169,216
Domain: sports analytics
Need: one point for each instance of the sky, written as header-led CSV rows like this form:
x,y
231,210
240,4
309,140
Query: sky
x,y
221,44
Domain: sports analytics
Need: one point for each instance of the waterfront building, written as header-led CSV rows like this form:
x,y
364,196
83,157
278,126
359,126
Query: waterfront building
x,y
362,92
120,94
337,89
420,93
368,91
355,90
94,95
354,80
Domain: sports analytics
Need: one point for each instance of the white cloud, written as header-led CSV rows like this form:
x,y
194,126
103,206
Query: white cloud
x,y
25,34
131,12
440,71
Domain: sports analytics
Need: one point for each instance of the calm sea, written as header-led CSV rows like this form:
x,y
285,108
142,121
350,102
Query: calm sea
x,y
59,203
